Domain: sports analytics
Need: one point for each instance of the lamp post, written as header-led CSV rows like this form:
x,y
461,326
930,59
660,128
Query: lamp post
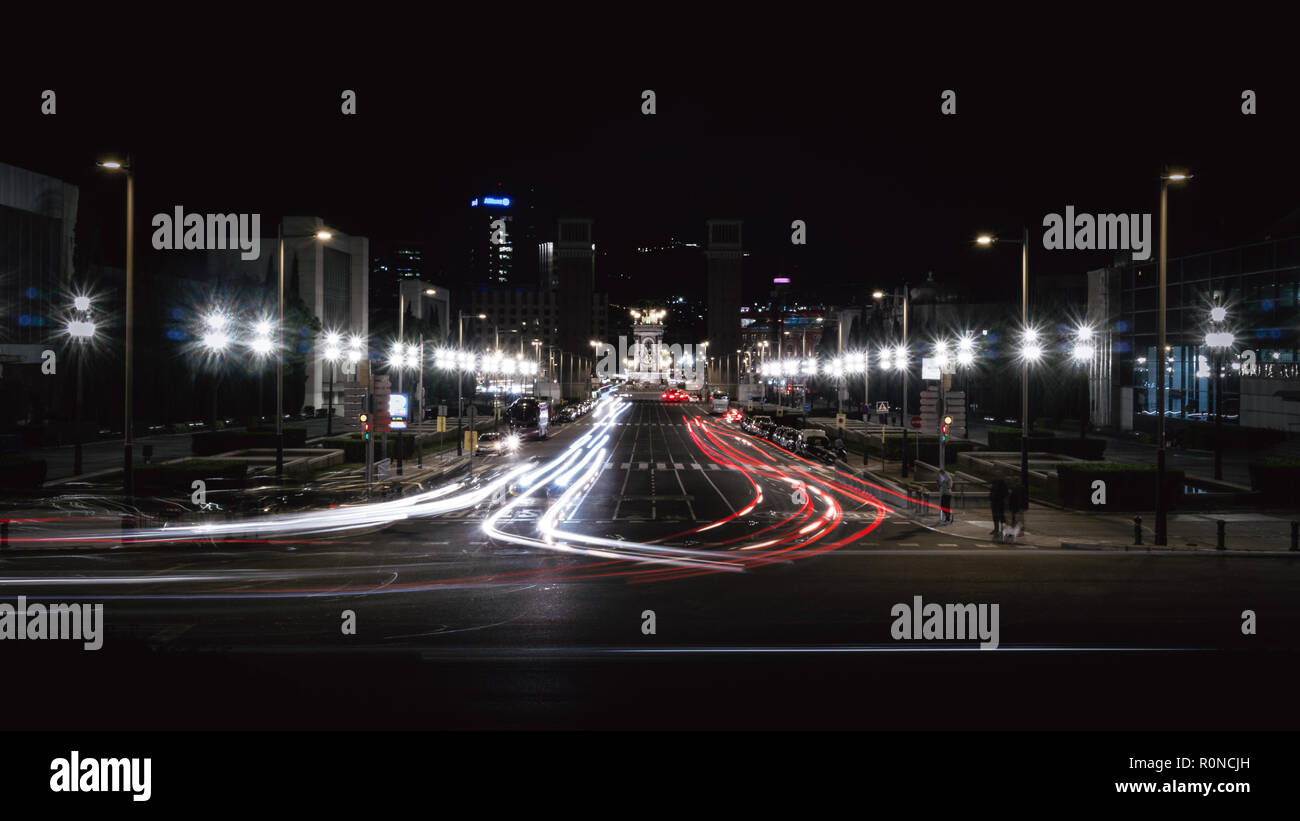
x,y
460,372
332,355
82,330
1162,535
1218,340
215,341
1083,353
320,234
987,240
261,346
128,421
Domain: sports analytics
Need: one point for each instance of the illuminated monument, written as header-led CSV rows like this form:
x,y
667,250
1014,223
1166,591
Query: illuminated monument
x,y
647,355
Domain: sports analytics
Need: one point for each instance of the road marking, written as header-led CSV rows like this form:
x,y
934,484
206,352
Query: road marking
x,y
642,465
947,544
660,466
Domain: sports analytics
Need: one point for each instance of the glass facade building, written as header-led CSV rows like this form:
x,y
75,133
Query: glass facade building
x,y
1256,285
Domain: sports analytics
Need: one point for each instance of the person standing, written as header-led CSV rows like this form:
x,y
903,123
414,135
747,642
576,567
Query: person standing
x,y
998,504
945,497
1018,502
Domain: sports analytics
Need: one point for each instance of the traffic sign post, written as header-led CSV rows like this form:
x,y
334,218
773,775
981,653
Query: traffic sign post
x,y
916,422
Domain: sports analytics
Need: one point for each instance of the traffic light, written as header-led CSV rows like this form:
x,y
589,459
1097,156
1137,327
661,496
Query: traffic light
x,y
365,426
947,420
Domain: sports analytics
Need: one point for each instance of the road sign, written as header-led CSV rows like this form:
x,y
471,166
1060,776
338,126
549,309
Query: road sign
x,y
930,368
442,410
780,411
380,391
839,421
354,404
930,409
442,424
916,421
882,407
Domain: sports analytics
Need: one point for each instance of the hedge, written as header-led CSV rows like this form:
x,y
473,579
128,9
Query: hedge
x,y
1128,487
1200,435
206,444
170,476
1008,439
929,448
20,472
1275,478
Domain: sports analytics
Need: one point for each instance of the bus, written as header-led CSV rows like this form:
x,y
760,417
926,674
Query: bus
x,y
718,402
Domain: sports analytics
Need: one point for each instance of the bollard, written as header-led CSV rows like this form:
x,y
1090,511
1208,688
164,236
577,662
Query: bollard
x,y
1295,535
1137,530
1220,526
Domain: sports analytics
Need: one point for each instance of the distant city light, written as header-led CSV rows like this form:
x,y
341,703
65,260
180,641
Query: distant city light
x,y
781,281
1218,313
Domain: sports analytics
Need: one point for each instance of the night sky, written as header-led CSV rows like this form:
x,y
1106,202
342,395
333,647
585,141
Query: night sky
x,y
837,129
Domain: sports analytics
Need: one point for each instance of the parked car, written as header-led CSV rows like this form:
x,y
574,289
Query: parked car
x,y
784,437
766,428
810,440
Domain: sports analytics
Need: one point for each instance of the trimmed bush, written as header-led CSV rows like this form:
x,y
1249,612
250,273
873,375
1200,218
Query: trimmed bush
x,y
20,472
1275,478
1008,439
1128,487
206,444
179,476
1200,435
354,448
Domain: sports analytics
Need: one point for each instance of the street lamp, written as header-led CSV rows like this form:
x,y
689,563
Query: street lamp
x,y
128,434
321,235
1162,536
81,327
1219,341
332,355
261,345
987,241
215,340
460,372
1083,354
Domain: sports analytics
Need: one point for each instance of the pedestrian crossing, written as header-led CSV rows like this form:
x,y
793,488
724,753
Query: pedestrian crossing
x,y
665,466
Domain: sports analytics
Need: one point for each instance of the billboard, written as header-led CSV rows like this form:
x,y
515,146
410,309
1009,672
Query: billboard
x,y
397,410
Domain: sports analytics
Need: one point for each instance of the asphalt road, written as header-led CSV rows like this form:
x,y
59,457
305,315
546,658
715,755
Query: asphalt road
x,y
768,613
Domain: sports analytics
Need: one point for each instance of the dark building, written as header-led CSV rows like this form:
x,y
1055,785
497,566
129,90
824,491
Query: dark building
x,y
514,259
575,262
723,257
38,217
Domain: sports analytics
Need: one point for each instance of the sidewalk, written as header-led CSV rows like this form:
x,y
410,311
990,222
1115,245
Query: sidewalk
x,y
1046,526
